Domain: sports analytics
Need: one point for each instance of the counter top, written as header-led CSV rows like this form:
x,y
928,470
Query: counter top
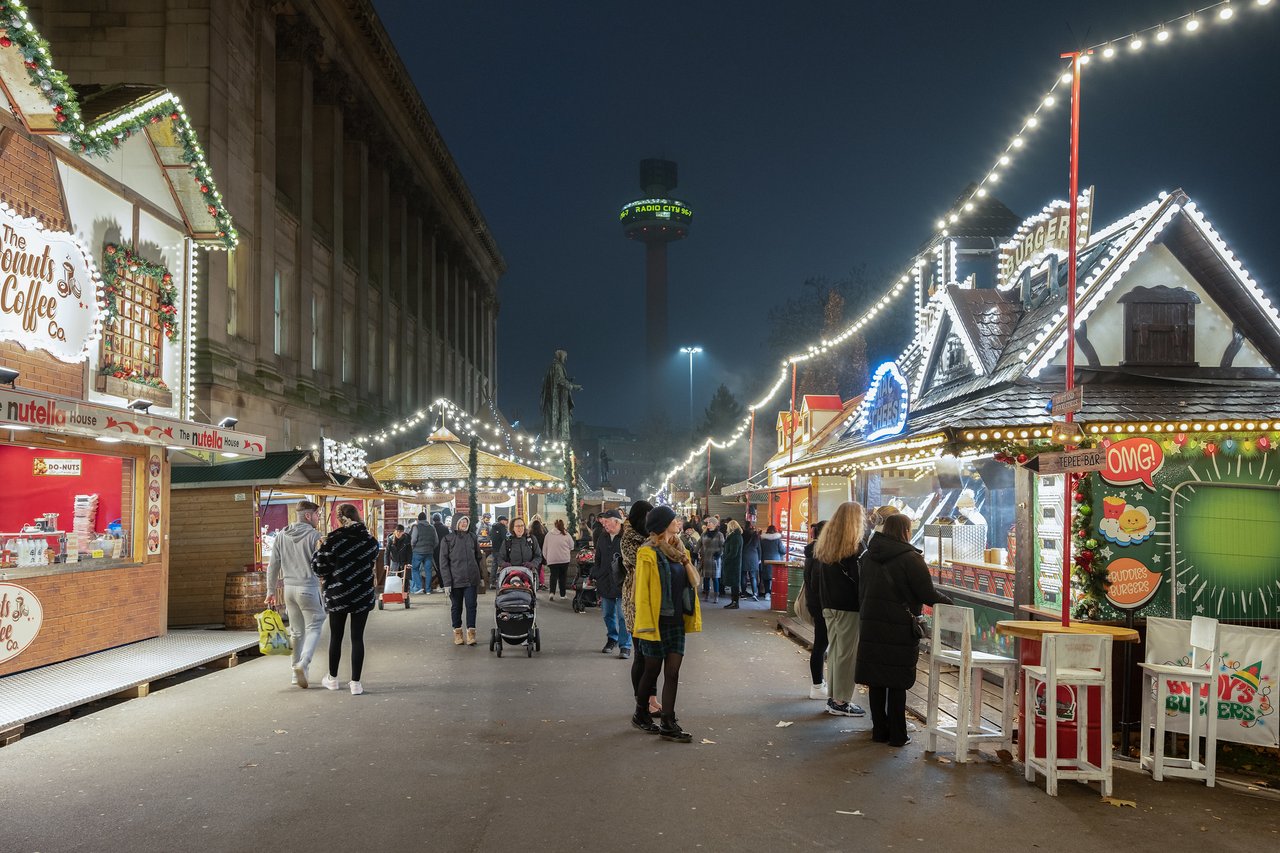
x,y
1035,629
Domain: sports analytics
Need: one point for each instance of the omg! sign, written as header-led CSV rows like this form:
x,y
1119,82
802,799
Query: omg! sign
x,y
20,618
49,289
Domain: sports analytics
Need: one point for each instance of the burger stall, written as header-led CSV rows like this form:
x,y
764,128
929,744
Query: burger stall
x,y
1178,362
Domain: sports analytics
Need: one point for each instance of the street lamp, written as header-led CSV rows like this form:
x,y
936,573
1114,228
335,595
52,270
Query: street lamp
x,y
691,351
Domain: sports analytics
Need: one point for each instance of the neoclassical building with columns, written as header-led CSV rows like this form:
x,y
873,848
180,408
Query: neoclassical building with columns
x,y
365,281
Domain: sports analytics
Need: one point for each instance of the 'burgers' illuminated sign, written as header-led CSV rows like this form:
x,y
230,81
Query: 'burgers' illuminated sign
x,y
660,210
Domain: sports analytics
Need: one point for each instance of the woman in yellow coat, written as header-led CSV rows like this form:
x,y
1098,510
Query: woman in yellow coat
x,y
666,609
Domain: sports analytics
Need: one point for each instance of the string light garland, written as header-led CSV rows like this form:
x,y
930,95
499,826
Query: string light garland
x,y
1161,34
465,425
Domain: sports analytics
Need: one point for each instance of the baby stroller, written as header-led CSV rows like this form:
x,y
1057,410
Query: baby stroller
x,y
514,612
584,588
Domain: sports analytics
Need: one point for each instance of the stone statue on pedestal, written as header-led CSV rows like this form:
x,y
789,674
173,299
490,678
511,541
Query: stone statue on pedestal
x,y
557,400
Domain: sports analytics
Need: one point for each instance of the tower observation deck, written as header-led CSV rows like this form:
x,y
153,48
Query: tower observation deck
x,y
656,220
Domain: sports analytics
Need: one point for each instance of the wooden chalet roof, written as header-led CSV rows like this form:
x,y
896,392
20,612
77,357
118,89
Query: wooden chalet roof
x,y
445,460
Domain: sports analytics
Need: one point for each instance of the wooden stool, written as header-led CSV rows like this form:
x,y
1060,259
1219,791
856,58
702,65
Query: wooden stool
x,y
968,731
1075,660
1204,654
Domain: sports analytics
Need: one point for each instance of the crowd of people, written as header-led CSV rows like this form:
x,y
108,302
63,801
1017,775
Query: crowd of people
x,y
865,585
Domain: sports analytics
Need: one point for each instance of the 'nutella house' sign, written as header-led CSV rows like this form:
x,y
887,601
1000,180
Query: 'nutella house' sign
x,y
50,292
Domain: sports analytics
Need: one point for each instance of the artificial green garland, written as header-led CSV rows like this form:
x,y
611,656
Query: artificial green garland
x,y
17,31
571,490
1088,572
473,465
116,260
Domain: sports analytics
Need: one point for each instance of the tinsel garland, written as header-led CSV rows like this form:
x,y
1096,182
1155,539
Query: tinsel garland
x,y
116,259
473,465
571,496
1089,574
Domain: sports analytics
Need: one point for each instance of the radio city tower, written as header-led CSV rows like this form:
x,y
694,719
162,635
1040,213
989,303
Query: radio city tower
x,y
656,220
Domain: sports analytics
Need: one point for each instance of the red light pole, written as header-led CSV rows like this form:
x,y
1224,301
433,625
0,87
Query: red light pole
x,y
1072,230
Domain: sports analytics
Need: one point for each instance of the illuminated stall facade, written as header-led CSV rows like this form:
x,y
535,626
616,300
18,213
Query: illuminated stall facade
x,y
1177,351
105,200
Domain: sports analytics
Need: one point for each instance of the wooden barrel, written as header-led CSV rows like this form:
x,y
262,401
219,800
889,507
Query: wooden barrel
x,y
242,597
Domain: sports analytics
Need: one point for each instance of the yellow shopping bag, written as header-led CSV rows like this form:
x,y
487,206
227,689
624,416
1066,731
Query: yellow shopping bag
x,y
273,639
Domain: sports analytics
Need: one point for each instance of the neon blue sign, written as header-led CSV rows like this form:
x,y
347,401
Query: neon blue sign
x,y
886,404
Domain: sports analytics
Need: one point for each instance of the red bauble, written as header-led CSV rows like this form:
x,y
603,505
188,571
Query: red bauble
x,y
5,41
174,116
1022,458
1087,556
1079,497
1082,533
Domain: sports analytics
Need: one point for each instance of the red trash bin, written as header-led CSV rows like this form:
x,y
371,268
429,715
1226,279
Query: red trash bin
x,y
778,590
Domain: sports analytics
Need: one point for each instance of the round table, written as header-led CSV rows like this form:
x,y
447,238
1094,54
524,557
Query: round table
x,y
1030,633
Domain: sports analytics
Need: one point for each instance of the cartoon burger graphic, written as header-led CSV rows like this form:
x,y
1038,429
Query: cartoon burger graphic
x,y
1125,524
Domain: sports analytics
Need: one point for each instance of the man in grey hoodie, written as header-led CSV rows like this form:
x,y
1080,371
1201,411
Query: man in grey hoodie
x,y
291,559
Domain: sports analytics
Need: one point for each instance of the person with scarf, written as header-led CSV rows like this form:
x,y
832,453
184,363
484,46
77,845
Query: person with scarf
x,y
731,563
633,537
344,563
751,559
664,574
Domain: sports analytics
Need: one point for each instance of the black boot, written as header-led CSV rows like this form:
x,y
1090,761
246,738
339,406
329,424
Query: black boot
x,y
670,730
643,721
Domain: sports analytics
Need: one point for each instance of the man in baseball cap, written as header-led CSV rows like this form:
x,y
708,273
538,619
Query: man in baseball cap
x,y
608,552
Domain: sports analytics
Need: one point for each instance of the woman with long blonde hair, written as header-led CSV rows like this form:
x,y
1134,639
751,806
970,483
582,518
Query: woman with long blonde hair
x,y
836,553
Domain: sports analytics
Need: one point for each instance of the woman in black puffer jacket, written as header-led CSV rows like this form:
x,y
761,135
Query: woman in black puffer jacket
x,y
344,563
893,586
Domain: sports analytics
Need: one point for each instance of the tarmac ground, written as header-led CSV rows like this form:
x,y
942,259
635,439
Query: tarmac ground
x,y
453,749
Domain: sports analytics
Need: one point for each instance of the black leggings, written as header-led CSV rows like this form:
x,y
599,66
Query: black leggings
x,y
637,673
338,628
558,571
818,657
670,666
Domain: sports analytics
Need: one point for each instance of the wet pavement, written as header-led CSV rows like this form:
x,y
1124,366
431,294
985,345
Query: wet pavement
x,y
452,749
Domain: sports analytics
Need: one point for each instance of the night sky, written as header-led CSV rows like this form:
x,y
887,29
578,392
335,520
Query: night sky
x,y
812,138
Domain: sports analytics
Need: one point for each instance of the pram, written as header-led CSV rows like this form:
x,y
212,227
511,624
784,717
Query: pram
x,y
515,612
584,588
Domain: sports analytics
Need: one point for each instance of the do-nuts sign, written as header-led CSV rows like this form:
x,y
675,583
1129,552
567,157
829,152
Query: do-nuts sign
x,y
20,618
49,289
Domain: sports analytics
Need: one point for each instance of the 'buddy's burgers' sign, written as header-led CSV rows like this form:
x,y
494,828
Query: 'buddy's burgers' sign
x,y
49,289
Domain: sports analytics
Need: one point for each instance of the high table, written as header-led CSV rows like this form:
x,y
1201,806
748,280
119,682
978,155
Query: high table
x,y
1030,633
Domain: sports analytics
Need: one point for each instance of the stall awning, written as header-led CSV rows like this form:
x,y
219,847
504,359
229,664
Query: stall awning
x,y
286,470
22,410
444,460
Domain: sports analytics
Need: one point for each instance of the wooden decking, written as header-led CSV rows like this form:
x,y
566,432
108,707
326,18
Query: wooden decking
x,y
917,701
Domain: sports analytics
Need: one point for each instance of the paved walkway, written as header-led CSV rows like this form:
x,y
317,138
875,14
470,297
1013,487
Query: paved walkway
x,y
451,749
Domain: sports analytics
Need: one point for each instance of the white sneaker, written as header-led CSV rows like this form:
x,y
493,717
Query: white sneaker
x,y
300,676
293,679
330,682
356,688
818,691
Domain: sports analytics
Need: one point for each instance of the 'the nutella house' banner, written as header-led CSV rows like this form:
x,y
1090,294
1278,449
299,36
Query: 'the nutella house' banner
x,y
58,414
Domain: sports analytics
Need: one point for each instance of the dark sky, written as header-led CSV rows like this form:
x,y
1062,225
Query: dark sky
x,y
811,138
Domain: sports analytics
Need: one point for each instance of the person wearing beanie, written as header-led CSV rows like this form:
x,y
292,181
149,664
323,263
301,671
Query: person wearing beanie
x,y
607,574
633,537
664,573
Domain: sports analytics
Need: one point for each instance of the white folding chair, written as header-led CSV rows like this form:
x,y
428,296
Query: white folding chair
x,y
952,646
1201,673
1080,661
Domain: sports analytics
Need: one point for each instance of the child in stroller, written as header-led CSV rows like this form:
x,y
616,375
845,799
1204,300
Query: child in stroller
x,y
515,608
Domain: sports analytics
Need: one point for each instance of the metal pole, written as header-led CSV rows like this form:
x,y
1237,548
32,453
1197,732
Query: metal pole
x,y
691,423
751,447
1072,228
791,447
707,493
